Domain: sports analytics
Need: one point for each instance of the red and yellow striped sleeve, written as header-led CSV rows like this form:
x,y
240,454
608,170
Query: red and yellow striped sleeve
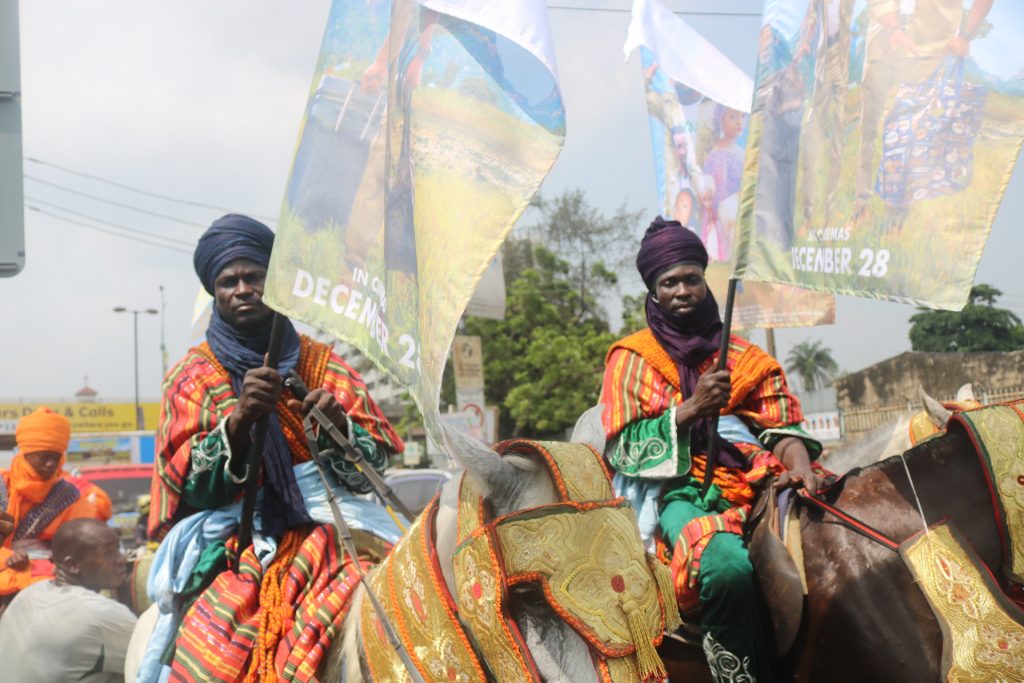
x,y
196,397
632,389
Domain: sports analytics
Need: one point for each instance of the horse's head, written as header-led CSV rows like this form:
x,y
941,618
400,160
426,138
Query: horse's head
x,y
936,414
548,571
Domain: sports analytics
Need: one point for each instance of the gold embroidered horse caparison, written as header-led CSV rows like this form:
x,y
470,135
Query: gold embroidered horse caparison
x,y
583,551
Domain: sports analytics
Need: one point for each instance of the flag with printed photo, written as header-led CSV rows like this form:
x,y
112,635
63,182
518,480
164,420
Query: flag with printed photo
x,y
429,126
882,139
697,102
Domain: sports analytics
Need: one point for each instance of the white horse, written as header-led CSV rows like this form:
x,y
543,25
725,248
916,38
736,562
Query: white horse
x,y
508,484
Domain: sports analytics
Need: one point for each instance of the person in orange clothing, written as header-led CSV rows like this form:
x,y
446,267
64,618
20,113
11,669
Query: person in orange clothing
x,y
38,498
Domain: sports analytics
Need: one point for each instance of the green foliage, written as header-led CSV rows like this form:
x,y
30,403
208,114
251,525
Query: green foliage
x,y
634,313
812,363
593,247
543,363
980,326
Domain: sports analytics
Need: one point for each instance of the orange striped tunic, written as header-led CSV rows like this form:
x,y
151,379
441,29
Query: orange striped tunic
x,y
641,389
198,397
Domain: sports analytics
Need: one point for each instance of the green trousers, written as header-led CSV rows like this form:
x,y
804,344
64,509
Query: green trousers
x,y
725,583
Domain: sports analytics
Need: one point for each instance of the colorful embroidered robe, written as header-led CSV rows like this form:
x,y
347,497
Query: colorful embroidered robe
x,y
291,611
641,391
195,467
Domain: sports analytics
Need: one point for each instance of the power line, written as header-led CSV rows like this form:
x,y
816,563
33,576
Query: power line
x,y
96,198
109,232
103,221
148,193
617,10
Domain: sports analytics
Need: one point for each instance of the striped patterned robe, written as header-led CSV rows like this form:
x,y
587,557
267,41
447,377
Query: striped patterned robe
x,y
641,389
257,625
198,397
640,392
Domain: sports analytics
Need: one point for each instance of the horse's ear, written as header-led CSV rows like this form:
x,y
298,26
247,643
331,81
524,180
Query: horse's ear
x,y
965,394
499,477
589,429
938,413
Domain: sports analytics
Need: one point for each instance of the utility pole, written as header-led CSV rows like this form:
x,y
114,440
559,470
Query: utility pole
x,y
163,346
12,198
139,422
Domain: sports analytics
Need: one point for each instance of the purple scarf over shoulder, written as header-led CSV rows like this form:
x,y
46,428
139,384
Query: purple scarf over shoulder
x,y
688,339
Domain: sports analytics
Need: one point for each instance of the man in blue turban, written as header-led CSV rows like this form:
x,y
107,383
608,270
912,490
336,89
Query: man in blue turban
x,y
212,399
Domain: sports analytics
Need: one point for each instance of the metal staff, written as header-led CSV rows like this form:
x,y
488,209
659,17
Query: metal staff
x,y
723,356
352,454
254,460
348,545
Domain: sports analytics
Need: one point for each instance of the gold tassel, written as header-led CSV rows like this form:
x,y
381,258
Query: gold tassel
x,y
648,664
663,577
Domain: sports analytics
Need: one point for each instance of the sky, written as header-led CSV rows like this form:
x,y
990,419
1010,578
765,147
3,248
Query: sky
x,y
202,101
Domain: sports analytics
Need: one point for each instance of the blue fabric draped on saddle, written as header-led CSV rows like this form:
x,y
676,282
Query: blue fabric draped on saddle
x,y
643,493
180,551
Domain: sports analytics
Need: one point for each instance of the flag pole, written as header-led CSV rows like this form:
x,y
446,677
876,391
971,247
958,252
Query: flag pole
x,y
254,461
723,356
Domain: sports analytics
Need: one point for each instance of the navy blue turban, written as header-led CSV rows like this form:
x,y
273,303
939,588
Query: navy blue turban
x,y
229,238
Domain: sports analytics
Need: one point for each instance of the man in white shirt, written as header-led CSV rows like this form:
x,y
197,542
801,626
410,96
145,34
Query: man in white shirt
x,y
63,629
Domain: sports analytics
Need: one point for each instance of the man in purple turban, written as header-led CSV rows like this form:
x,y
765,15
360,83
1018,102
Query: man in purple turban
x,y
661,390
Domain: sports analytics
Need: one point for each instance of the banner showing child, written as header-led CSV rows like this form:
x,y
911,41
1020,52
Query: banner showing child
x,y
882,137
699,148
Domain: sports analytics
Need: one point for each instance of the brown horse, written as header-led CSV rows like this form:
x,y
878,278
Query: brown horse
x,y
864,617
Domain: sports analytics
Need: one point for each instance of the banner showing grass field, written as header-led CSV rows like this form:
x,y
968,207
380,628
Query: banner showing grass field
x,y
429,127
882,139
697,102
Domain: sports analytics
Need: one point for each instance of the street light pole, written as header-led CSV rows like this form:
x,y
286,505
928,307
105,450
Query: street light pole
x,y
135,325
163,346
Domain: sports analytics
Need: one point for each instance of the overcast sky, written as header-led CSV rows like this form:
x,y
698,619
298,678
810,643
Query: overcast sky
x,y
202,101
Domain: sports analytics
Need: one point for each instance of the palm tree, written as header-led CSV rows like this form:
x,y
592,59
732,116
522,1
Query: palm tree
x,y
812,363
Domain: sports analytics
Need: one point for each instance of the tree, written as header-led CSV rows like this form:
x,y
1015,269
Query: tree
x,y
812,363
543,363
634,313
595,248
980,326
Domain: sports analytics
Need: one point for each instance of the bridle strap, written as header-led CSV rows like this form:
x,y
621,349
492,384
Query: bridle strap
x,y
348,547
850,522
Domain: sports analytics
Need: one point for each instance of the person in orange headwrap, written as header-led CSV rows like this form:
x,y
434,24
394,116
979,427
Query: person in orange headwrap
x,y
38,498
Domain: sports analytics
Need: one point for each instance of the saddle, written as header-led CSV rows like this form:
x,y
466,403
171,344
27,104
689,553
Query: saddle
x,y
774,544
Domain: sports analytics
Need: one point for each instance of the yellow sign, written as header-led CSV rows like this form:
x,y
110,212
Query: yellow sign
x,y
86,417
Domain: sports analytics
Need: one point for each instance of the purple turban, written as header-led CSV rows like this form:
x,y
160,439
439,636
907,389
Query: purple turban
x,y
667,244
229,238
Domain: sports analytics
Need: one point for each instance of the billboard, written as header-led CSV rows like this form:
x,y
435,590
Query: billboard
x,y
12,197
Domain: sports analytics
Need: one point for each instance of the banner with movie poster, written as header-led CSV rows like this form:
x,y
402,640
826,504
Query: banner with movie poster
x,y
697,102
881,141
429,127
